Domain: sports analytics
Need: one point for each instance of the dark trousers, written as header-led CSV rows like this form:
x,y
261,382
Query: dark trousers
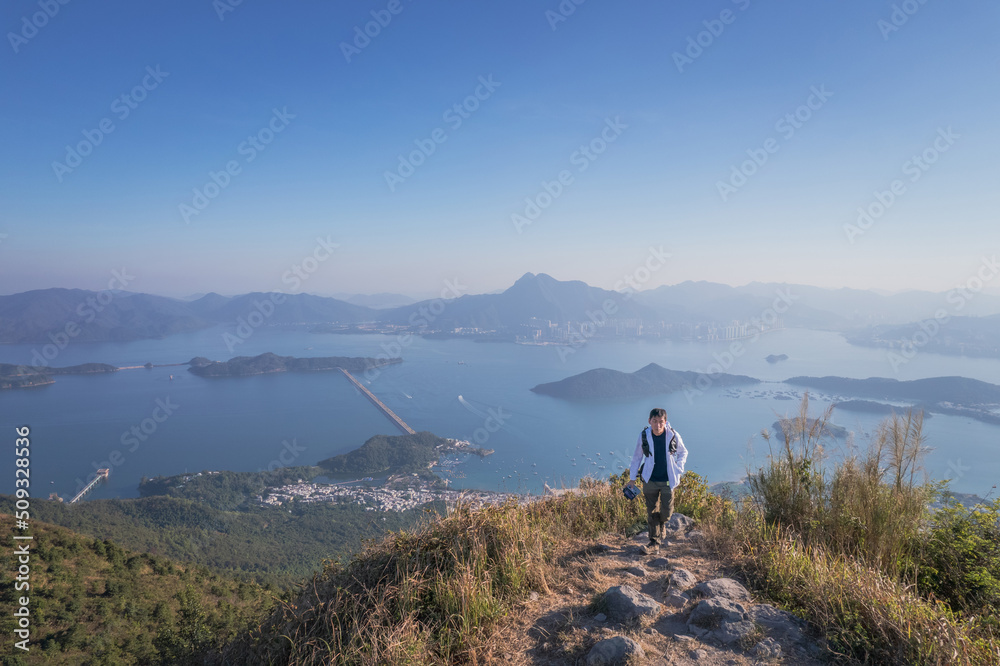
x,y
659,507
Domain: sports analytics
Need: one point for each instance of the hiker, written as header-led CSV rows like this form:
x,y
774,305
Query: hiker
x,y
659,456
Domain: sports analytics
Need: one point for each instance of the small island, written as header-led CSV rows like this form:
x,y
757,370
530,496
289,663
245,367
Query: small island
x,y
398,454
27,376
775,358
652,379
247,366
871,407
791,429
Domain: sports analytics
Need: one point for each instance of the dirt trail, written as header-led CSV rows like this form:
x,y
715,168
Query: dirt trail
x,y
562,626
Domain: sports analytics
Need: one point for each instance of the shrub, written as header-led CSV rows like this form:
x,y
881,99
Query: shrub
x,y
871,507
961,559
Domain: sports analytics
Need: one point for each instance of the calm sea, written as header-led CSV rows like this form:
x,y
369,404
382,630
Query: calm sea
x,y
454,388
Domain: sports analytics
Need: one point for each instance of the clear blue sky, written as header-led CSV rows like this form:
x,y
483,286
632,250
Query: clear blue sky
x,y
679,134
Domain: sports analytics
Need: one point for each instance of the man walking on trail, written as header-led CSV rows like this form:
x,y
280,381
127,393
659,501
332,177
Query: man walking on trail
x,y
659,456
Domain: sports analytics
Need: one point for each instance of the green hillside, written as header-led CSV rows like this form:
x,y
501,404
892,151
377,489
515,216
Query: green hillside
x,y
270,545
94,602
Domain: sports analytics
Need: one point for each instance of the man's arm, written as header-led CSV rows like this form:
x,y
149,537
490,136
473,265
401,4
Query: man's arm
x,y
682,452
633,469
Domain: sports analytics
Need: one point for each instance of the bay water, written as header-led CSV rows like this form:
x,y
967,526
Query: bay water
x,y
453,388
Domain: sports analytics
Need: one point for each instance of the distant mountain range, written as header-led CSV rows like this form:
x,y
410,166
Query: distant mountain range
x,y
45,316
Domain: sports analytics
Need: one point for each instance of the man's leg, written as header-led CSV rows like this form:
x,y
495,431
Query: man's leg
x,y
655,506
666,510
652,498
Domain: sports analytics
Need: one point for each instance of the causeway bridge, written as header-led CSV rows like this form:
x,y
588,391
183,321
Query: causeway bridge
x,y
102,474
400,423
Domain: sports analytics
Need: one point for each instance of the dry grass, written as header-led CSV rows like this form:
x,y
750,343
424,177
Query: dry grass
x,y
442,594
865,614
842,548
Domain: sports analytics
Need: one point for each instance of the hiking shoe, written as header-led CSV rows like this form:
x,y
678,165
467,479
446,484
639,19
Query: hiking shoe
x,y
650,548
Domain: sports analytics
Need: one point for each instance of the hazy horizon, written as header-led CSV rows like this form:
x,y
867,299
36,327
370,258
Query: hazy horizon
x,y
213,146
417,296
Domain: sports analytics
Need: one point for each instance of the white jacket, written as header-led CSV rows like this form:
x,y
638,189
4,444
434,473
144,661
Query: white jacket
x,y
675,462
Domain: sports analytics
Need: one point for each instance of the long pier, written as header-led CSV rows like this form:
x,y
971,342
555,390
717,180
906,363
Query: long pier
x,y
400,423
102,474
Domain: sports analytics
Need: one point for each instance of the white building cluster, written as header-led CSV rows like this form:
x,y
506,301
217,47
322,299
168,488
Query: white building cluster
x,y
377,499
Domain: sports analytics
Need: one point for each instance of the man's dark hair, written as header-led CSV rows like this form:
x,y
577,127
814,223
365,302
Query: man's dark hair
x,y
657,411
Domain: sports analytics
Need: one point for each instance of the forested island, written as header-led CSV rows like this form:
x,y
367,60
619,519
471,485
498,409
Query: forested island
x,y
398,454
790,429
653,379
27,376
958,396
246,366
871,407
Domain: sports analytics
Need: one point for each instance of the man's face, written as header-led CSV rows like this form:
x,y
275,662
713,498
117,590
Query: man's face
x,y
658,424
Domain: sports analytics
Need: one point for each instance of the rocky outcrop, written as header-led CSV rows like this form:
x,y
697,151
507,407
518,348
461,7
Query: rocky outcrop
x,y
710,620
614,651
626,603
